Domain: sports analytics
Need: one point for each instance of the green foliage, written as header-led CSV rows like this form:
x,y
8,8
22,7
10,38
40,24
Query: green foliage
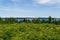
x,y
44,21
11,29
29,31
36,20
10,20
49,19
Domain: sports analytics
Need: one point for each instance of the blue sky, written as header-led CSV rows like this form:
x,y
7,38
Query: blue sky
x,y
29,8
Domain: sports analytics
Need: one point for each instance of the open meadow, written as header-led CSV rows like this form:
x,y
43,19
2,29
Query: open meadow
x,y
29,19
29,31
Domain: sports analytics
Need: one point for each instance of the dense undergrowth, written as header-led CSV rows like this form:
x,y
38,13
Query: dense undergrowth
x,y
29,31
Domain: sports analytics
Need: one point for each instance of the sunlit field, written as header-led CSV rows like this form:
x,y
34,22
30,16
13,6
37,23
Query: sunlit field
x,y
29,31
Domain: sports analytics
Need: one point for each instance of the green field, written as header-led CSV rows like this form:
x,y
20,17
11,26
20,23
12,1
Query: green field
x,y
29,31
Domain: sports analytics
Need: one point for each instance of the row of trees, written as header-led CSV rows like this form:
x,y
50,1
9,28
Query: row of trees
x,y
50,20
14,20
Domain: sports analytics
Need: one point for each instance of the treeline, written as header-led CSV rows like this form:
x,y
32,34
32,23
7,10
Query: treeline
x,y
12,20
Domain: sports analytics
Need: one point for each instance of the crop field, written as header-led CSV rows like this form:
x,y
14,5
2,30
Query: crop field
x,y
29,31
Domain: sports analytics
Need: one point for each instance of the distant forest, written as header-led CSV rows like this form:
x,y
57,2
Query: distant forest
x,y
12,20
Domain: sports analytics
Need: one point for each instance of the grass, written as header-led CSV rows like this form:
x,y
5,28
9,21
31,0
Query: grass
x,y
29,31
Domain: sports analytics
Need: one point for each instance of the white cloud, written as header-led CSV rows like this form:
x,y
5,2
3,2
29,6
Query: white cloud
x,y
43,1
47,1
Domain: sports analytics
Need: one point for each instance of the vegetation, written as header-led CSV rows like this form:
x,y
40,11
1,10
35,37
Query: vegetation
x,y
12,29
29,31
34,20
49,19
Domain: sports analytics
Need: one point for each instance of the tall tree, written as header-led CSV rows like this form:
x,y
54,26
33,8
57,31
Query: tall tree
x,y
49,19
26,20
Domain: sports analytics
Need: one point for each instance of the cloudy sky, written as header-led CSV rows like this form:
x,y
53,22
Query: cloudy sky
x,y
29,8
